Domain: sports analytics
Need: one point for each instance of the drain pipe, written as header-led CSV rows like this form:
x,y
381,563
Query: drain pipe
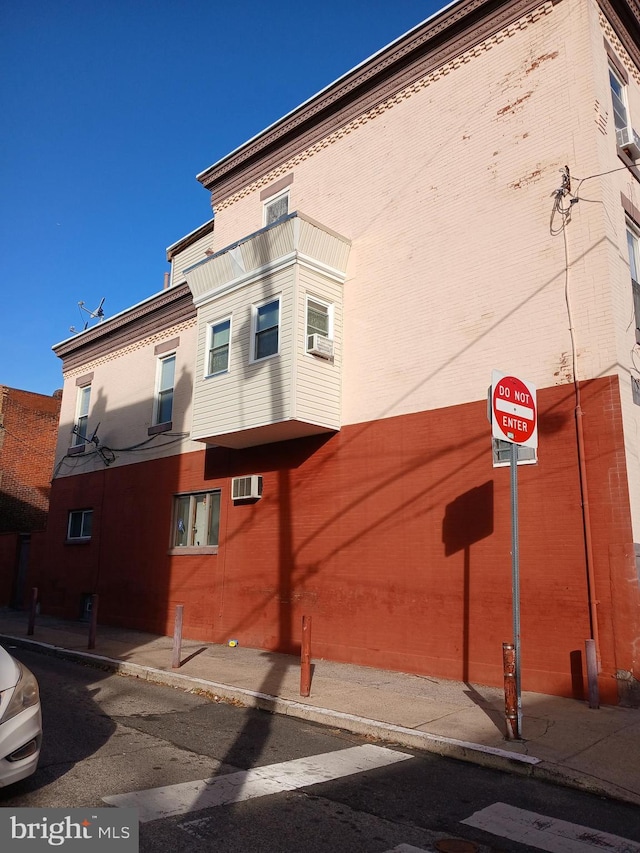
x,y
582,469
586,520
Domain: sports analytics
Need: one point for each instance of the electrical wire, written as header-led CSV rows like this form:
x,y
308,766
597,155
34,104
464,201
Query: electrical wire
x,y
108,454
559,209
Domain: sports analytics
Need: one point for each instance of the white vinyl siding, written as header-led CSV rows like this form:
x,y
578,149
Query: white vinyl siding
x,y
276,390
290,387
319,380
254,393
190,255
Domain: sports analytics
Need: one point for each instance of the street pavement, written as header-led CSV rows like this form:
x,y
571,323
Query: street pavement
x,y
563,740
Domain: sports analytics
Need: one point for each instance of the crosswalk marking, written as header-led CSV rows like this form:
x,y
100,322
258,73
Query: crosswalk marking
x,y
186,797
547,833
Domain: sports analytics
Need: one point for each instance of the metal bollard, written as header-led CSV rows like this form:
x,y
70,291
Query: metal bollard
x,y
93,626
592,673
510,692
305,657
177,637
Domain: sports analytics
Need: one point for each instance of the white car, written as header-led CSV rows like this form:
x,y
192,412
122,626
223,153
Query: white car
x,y
20,720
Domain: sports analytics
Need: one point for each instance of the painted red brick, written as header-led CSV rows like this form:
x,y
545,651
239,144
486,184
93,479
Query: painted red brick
x,y
356,530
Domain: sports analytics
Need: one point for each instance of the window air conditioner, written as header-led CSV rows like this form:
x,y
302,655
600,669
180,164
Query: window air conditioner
x,y
629,140
246,488
319,345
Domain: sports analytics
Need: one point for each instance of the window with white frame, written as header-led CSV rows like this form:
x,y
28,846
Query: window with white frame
x,y
81,422
319,320
266,329
633,246
196,520
619,98
163,408
79,524
218,347
276,207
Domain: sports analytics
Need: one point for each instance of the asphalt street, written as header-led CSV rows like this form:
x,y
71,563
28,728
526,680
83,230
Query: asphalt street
x,y
212,776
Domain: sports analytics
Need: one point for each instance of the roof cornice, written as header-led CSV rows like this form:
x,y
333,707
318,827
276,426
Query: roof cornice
x,y
455,29
624,17
186,241
151,309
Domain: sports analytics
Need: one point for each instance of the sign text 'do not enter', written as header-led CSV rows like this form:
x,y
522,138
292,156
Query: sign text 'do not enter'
x,y
514,412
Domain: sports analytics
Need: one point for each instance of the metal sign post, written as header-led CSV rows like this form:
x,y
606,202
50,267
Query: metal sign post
x,y
515,582
514,419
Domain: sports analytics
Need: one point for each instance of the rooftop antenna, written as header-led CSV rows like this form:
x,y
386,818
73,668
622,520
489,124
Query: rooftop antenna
x,y
98,313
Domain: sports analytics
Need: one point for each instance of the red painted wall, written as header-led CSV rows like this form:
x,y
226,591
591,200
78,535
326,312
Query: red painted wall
x,y
393,535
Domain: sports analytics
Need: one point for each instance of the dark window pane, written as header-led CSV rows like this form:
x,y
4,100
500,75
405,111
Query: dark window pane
x,y
214,518
87,523
267,343
75,525
165,406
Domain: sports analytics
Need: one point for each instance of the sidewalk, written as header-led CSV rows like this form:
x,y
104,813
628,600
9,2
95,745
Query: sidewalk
x,y
564,741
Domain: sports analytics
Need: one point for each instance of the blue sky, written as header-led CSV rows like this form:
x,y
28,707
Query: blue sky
x,y
110,109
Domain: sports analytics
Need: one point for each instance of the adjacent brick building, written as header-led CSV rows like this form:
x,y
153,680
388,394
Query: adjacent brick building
x,y
28,435
298,423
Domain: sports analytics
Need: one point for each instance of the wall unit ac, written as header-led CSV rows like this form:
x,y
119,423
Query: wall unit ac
x,y
246,488
629,140
319,345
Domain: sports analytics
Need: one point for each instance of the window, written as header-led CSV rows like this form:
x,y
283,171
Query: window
x,y
79,526
196,520
276,207
164,393
266,322
218,350
501,451
82,415
633,238
319,320
618,97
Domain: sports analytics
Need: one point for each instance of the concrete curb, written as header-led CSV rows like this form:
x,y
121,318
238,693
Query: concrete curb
x,y
486,756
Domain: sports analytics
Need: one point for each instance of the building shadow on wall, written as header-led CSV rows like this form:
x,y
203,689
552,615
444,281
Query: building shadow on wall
x,y
469,519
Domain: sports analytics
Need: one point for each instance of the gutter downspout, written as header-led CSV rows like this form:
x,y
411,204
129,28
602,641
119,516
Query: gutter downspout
x,y
586,520
582,469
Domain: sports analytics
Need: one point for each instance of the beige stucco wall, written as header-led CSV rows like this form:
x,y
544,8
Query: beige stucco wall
x,y
122,393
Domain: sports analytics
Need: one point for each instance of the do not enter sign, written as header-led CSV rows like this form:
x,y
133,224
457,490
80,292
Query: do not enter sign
x,y
514,417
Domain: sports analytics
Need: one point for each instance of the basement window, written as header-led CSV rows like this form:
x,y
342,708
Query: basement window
x,y
79,525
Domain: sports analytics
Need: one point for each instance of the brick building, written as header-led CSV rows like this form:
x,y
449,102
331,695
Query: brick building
x,y
28,435
298,425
